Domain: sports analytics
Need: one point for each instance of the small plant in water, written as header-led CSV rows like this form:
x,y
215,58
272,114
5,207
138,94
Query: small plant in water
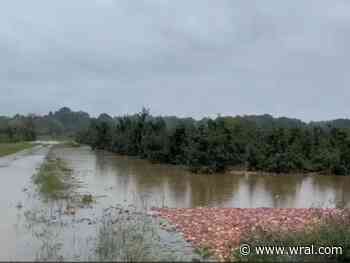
x,y
128,236
204,252
87,199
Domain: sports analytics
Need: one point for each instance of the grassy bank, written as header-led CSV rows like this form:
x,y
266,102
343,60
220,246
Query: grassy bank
x,y
53,177
10,148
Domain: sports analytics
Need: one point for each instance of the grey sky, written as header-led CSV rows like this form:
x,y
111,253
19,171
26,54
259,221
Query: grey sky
x,y
179,57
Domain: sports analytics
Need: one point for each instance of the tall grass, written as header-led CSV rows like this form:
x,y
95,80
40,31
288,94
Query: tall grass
x,y
130,236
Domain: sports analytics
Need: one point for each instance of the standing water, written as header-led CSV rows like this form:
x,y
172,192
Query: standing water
x,y
16,171
34,228
124,179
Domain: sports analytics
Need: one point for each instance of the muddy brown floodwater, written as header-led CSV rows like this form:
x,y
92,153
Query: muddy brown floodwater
x,y
128,179
32,228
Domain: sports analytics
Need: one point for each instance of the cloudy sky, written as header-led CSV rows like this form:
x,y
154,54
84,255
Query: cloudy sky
x,y
178,57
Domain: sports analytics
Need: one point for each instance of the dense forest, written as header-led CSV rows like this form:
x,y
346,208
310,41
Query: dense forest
x,y
255,142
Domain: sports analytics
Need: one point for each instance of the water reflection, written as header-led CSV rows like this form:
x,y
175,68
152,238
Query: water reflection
x,y
126,179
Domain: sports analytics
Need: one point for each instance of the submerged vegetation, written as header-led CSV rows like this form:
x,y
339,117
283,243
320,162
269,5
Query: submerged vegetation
x,y
10,148
52,177
55,180
213,145
87,199
127,237
119,234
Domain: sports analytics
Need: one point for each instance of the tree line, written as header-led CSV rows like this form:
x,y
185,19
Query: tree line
x,y
255,142
17,129
62,124
214,145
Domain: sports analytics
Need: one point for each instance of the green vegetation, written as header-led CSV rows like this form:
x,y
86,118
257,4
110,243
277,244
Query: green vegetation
x,y
10,148
333,231
60,125
127,240
52,178
204,252
15,134
121,234
87,199
255,143
17,129
128,234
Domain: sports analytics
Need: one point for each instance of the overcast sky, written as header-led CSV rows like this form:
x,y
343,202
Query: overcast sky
x,y
178,57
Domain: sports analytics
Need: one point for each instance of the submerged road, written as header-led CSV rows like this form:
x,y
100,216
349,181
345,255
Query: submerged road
x,y
32,229
15,172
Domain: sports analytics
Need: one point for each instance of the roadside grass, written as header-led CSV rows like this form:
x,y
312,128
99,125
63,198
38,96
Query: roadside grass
x,y
10,148
333,231
53,177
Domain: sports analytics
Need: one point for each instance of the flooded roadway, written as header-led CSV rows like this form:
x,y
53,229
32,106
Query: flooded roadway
x,y
33,228
16,171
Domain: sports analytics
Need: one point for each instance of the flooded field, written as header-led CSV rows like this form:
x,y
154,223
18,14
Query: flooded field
x,y
35,228
125,179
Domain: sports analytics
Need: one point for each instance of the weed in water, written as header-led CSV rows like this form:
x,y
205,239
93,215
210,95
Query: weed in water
x,y
87,199
204,252
126,238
